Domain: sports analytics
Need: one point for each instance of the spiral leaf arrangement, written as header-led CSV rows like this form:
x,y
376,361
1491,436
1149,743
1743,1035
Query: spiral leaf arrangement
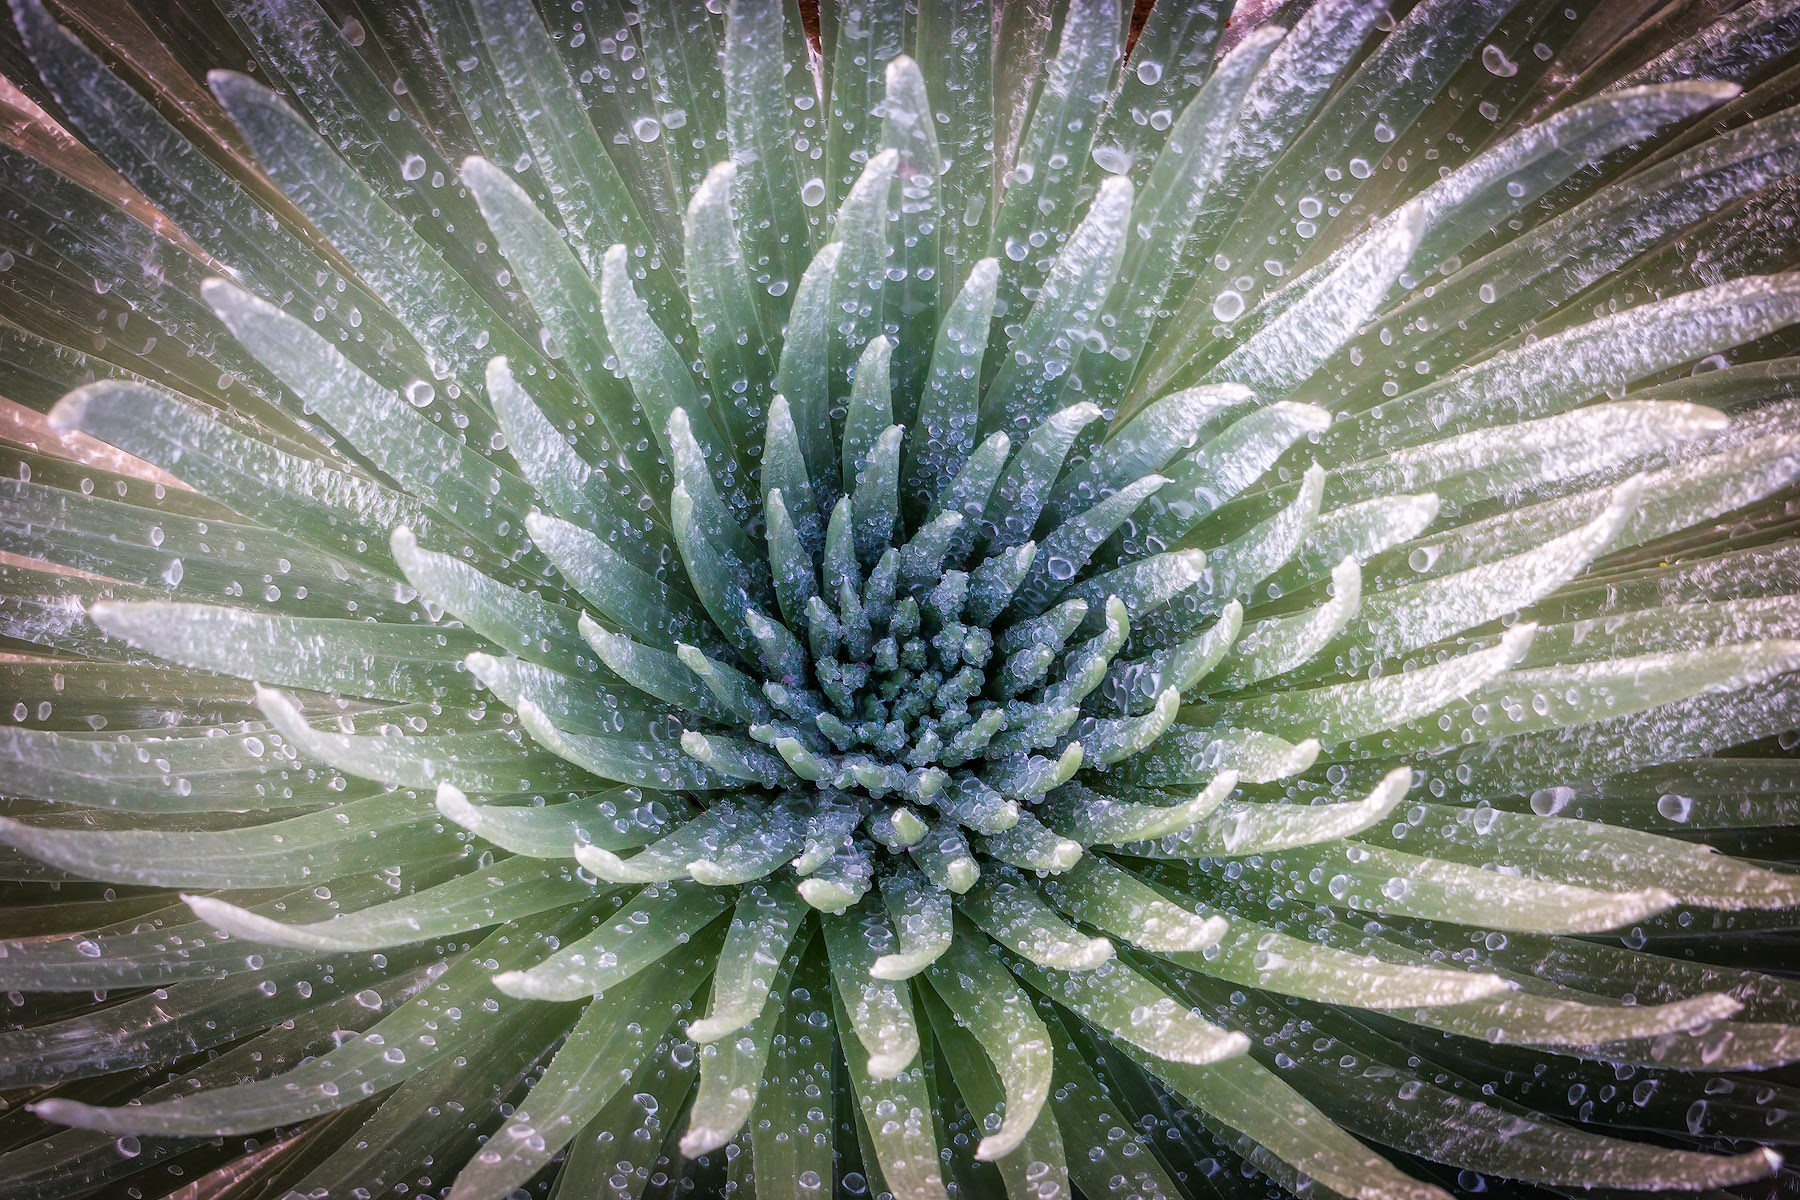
x,y
976,613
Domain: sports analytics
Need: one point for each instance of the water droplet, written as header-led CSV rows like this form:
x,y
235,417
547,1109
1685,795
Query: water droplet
x,y
1495,60
1674,807
1112,159
1549,801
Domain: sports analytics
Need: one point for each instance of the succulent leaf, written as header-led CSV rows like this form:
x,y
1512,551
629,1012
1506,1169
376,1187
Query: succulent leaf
x,y
919,600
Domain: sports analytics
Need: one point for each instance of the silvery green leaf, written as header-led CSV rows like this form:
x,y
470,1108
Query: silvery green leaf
x,y
349,657
1286,350
949,407
1277,645
1031,377
1241,828
1101,893
1227,464
586,189
659,378
1122,1001
1392,881
618,820
574,488
985,998
1038,197
617,1029
1540,379
1295,1140
659,918
880,1012
320,504
1346,711
725,315
1025,485
803,372
921,917
731,1073
568,302
458,483
1089,816
764,68
397,1047
515,888
1002,906
404,266
654,609
517,621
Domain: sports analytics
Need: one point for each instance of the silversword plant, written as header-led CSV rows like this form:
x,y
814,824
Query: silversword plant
x,y
628,601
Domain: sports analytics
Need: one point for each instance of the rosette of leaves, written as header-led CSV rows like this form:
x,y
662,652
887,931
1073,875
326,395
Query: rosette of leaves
x,y
600,602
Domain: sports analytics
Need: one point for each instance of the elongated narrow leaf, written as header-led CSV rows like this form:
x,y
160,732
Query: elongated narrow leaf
x,y
984,997
398,1047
